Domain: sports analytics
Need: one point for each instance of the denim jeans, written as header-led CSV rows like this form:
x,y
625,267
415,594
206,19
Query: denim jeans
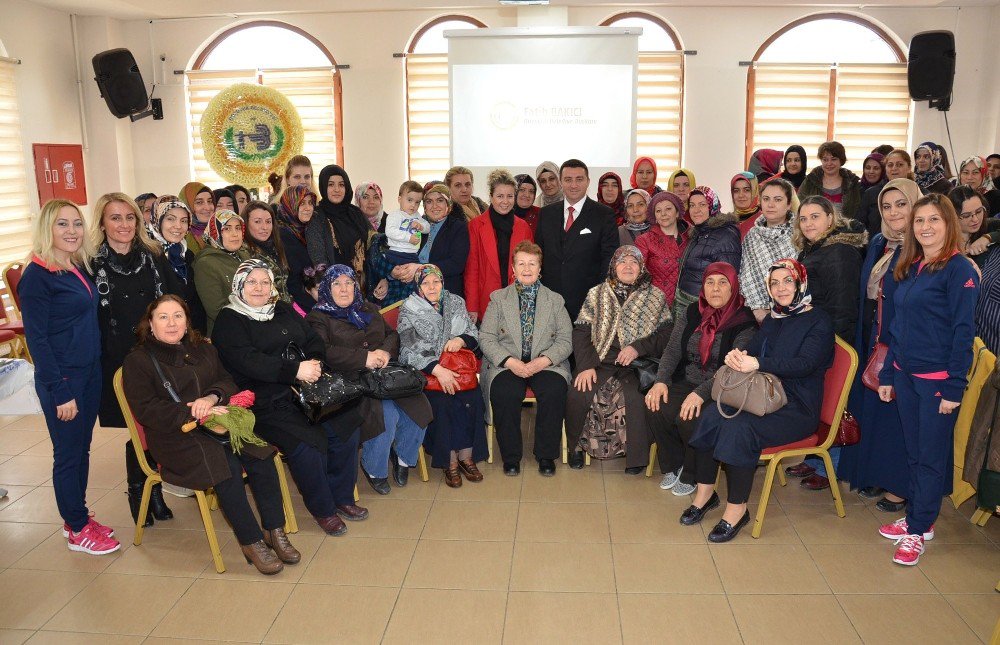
x,y
399,429
817,463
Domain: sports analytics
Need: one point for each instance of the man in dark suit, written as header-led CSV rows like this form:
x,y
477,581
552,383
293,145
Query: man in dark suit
x,y
578,237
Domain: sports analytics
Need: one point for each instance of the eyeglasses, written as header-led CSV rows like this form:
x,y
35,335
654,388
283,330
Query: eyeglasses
x,y
263,283
981,212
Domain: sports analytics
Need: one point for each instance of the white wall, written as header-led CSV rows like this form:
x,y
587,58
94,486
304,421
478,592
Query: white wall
x,y
154,155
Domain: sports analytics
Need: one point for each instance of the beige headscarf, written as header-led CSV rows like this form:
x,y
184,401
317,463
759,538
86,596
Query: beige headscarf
x,y
544,199
912,192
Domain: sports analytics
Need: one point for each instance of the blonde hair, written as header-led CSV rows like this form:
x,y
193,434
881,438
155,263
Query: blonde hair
x,y
456,170
500,177
98,235
41,235
798,239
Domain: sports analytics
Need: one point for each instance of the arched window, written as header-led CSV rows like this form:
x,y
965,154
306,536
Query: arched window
x,y
660,98
427,113
15,216
278,55
802,90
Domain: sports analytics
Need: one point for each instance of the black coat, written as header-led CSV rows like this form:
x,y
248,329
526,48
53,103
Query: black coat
x,y
451,250
130,294
834,264
298,259
251,351
715,240
199,320
573,262
869,213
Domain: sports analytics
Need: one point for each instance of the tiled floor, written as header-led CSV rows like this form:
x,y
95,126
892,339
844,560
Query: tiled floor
x,y
592,556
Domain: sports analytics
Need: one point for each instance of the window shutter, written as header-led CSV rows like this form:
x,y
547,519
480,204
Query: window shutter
x,y
427,116
15,215
659,108
790,104
873,107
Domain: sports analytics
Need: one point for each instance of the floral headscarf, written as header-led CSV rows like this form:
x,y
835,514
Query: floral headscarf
x,y
213,231
351,313
802,297
236,301
644,224
622,290
984,172
714,205
360,191
418,279
288,209
173,250
927,178
747,176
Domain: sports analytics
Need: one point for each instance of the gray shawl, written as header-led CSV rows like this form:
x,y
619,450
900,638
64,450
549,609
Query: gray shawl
x,y
423,331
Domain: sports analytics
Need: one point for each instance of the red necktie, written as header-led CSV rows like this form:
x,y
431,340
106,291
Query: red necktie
x,y
569,220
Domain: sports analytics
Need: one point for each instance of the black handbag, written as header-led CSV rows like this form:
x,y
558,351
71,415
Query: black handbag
x,y
645,371
327,395
394,381
221,438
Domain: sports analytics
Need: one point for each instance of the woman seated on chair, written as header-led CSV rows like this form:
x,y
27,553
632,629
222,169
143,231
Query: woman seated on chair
x,y
193,459
356,337
795,344
527,338
252,335
622,318
434,320
702,336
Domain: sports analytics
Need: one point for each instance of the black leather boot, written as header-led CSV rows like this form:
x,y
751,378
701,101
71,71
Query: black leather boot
x,y
134,500
158,506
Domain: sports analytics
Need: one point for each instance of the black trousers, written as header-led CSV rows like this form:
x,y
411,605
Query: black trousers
x,y
739,479
506,394
672,433
263,480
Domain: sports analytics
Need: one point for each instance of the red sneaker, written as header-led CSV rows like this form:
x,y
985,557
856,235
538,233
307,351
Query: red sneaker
x,y
107,530
899,529
91,540
909,548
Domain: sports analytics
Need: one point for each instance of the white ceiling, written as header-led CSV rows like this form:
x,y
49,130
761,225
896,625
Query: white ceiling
x,y
143,9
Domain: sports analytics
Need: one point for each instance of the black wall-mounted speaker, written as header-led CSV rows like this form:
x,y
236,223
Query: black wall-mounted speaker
x,y
931,67
120,82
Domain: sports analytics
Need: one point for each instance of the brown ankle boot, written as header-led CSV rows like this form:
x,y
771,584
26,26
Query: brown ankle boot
x,y
278,541
262,557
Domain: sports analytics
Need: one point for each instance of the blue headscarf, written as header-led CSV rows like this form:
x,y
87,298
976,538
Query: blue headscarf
x,y
325,303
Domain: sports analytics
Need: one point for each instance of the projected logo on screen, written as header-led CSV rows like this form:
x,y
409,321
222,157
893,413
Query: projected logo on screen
x,y
582,111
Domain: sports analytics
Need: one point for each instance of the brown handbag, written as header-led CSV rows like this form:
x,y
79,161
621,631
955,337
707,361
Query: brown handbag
x,y
756,392
869,378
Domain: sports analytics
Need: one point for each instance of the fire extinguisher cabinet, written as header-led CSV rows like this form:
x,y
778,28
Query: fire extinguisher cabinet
x,y
59,172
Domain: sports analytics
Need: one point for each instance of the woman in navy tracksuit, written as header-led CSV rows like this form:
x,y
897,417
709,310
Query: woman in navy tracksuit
x,y
930,351
59,306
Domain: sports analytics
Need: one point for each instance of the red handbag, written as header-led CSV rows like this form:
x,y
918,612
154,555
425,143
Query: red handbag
x,y
464,363
849,432
869,378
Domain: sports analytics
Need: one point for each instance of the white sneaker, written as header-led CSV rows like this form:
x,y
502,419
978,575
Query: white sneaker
x,y
671,479
177,491
681,489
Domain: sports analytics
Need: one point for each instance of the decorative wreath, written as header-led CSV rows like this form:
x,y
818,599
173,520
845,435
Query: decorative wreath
x,y
249,131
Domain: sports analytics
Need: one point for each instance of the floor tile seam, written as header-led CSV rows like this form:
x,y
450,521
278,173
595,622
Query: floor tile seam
x,y
722,585
66,604
409,564
510,566
274,619
611,549
962,618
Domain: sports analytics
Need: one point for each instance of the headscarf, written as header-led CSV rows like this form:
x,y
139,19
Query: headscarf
x,y
677,173
554,169
352,313
359,192
623,291
765,163
714,205
865,184
635,167
618,206
520,180
288,210
800,176
188,194
802,296
241,306
350,226
912,193
715,320
663,196
984,172
418,279
213,231
754,193
927,178
219,193
642,226
173,250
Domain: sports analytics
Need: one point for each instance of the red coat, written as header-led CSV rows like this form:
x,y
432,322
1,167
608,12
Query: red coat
x,y
482,269
663,257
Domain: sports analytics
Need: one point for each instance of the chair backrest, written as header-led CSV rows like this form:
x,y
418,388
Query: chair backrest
x,y
11,278
135,429
837,385
391,314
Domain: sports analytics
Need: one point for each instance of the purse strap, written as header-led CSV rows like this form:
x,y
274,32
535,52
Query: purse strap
x,y
746,394
878,307
163,377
